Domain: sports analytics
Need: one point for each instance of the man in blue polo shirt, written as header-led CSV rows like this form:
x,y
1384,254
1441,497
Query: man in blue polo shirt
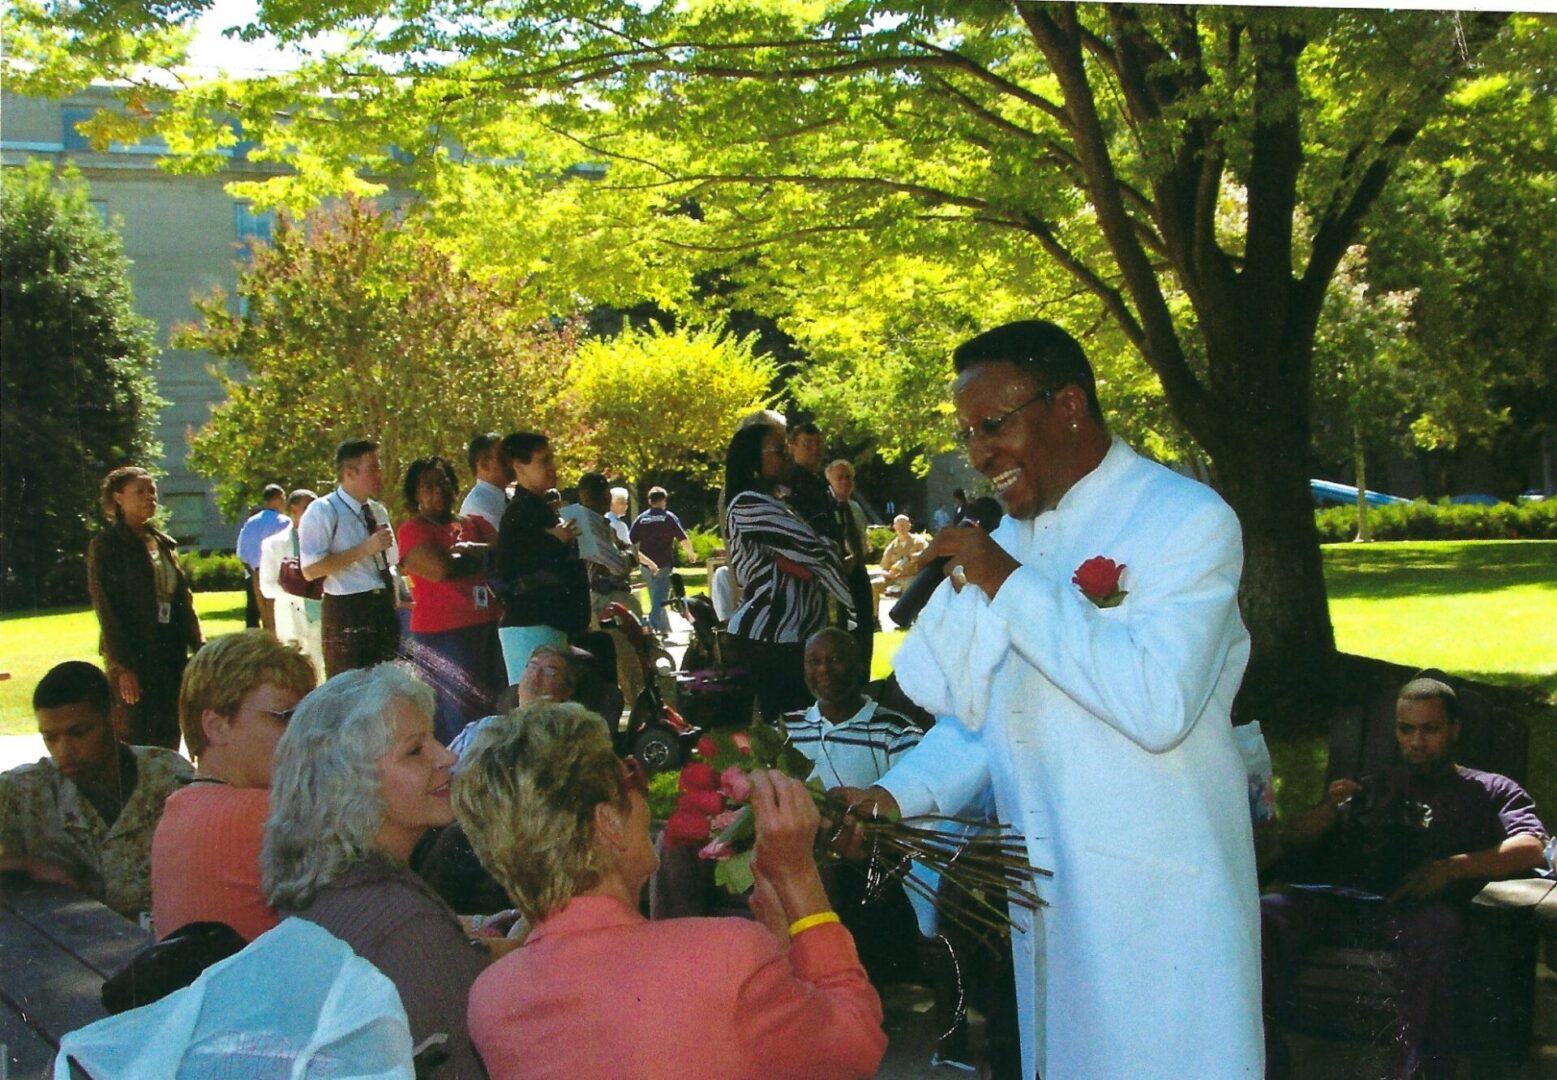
x,y
270,520
656,532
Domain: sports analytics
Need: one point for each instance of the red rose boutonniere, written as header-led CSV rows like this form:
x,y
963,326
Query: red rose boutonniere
x,y
1098,579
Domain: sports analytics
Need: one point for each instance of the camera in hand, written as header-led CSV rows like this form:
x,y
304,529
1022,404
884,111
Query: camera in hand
x,y
1380,836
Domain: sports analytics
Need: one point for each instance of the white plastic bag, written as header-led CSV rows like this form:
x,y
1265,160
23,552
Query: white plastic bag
x,y
1256,760
296,1003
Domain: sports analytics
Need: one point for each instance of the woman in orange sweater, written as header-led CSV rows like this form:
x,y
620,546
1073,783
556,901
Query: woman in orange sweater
x,y
599,991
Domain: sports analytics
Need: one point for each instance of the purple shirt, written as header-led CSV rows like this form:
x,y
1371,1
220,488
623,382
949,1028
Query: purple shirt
x,y
656,532
1472,810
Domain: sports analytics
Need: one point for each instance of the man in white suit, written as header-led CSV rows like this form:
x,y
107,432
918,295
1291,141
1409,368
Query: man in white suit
x,y
1096,705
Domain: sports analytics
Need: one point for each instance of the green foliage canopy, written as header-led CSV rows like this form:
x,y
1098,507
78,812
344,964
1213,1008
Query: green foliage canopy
x,y
354,324
980,159
656,403
77,396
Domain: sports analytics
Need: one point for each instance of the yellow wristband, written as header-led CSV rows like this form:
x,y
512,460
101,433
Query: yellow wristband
x,y
821,918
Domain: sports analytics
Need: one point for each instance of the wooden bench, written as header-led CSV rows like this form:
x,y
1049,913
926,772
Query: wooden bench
x,y
57,947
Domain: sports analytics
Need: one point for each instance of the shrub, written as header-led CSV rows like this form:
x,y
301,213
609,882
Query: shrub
x,y
213,571
663,794
1422,520
705,542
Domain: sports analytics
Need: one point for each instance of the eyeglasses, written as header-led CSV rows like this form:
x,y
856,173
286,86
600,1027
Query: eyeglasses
x,y
633,776
990,426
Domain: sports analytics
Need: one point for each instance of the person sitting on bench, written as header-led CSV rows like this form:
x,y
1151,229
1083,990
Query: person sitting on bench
x,y
84,815
237,696
1410,847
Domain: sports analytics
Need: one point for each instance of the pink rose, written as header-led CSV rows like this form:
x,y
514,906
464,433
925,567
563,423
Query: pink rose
x,y
1098,579
686,829
715,850
723,821
706,803
736,784
698,776
742,741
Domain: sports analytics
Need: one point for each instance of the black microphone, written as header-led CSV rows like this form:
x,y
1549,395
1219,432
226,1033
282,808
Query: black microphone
x,y
986,514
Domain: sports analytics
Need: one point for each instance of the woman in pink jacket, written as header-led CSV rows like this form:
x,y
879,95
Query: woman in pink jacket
x,y
599,991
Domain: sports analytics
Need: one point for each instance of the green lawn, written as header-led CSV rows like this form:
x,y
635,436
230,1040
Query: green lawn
x,y
1482,609
31,644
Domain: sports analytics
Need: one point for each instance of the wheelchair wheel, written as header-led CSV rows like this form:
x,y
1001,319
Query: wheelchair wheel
x,y
657,750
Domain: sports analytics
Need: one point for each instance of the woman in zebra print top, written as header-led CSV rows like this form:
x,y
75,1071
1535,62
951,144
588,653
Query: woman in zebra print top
x,y
785,569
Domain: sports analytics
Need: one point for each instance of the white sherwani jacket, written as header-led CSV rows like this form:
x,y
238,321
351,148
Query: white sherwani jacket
x,y
1105,734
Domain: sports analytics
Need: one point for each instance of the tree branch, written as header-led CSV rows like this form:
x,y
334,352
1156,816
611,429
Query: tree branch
x,y
1059,38
1338,228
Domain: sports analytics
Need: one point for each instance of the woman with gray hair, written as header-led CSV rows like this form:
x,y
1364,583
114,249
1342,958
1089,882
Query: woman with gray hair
x,y
359,776
563,823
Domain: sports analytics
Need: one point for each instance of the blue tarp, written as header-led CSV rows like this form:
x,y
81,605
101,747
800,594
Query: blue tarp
x,y
1327,492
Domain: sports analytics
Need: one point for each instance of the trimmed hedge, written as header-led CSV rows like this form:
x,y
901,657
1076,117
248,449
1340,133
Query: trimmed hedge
x,y
1422,520
213,571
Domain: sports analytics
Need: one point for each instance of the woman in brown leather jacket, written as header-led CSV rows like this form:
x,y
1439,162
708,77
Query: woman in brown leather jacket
x,y
144,610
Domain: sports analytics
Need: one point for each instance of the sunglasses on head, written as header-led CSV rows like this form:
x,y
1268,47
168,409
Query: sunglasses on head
x,y
634,778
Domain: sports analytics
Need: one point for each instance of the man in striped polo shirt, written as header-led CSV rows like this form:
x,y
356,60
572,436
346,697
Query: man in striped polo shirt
x,y
846,735
852,741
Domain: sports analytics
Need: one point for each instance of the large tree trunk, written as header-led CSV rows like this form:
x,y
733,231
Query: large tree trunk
x,y
1283,594
1258,437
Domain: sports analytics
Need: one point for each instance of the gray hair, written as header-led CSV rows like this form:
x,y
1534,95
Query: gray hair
x,y
326,805
620,493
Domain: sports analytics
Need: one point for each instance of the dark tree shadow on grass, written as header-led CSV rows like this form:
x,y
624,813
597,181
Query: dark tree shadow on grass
x,y
1384,573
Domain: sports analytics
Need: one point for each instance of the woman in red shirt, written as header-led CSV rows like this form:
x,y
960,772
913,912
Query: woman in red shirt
x,y
454,621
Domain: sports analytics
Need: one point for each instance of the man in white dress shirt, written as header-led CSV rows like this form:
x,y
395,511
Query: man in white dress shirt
x,y
297,618
1096,705
488,496
345,538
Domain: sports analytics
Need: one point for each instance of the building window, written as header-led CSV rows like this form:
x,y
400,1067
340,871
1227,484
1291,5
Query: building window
x,y
70,116
252,225
101,206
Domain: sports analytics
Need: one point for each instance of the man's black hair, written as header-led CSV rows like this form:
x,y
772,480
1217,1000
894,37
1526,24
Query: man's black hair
x,y
1048,353
521,446
805,427
351,450
595,486
1429,685
73,683
479,445
658,494
273,491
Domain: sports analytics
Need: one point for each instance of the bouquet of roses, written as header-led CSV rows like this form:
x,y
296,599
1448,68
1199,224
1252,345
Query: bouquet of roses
x,y
714,815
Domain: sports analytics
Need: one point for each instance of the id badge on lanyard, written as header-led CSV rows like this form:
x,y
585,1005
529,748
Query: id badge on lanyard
x,y
164,612
481,595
